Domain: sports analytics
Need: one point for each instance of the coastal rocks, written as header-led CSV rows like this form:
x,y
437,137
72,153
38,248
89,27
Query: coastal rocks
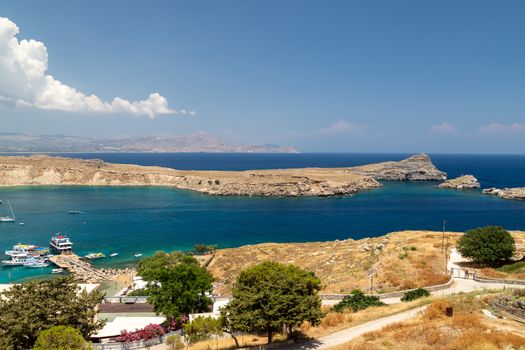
x,y
366,247
416,168
462,182
517,193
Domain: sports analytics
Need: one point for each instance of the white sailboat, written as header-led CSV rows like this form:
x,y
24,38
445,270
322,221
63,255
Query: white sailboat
x,y
11,218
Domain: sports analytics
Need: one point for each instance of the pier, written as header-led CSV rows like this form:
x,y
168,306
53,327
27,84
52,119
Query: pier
x,y
83,270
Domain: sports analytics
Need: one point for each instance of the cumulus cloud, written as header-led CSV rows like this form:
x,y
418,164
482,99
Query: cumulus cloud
x,y
444,128
495,128
340,127
24,82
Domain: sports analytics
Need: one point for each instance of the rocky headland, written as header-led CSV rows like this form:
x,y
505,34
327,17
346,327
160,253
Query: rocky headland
x,y
460,183
416,168
46,170
517,193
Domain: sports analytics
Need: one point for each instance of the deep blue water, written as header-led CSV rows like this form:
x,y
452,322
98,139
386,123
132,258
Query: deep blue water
x,y
146,219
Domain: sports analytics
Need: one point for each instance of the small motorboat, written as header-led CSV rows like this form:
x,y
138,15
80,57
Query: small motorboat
x,y
112,255
92,256
75,212
138,255
57,270
21,224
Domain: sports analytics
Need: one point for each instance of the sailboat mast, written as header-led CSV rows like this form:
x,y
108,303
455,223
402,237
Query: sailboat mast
x,y
11,208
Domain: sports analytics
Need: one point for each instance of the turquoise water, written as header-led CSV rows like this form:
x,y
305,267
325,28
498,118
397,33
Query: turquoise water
x,y
145,219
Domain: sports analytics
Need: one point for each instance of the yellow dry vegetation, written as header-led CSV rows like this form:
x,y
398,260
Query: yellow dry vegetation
x,y
226,343
399,260
467,329
336,321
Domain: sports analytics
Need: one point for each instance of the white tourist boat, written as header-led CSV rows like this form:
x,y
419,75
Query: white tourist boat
x,y
11,218
61,244
16,261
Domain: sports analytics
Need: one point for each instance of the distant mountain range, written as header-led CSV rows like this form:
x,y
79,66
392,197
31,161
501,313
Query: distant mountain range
x,y
199,142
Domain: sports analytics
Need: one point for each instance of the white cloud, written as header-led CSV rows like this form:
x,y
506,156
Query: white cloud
x,y
24,82
444,128
495,128
340,127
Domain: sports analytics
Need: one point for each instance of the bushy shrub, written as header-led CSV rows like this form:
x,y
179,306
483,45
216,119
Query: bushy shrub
x,y
177,323
415,294
357,300
175,342
148,332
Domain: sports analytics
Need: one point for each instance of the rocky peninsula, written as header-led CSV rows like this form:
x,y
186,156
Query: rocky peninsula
x,y
460,183
517,193
46,170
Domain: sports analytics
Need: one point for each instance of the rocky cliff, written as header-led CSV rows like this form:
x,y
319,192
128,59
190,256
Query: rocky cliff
x,y
45,170
462,182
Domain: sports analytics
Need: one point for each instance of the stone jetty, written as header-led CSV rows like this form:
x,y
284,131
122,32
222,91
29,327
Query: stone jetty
x,y
84,271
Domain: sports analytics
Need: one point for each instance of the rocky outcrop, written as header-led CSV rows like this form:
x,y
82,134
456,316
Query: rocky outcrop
x,y
415,168
45,170
460,183
507,193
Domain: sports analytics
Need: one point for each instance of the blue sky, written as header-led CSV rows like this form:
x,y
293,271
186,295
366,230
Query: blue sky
x,y
346,76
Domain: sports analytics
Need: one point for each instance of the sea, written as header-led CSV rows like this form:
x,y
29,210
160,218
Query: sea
x,y
133,220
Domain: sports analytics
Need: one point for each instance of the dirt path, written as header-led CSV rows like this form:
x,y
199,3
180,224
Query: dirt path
x,y
345,335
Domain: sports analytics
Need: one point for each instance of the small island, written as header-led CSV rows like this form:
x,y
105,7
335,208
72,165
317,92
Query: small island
x,y
517,193
460,183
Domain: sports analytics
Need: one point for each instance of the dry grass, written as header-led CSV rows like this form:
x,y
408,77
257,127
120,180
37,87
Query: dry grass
x,y
402,260
467,329
227,342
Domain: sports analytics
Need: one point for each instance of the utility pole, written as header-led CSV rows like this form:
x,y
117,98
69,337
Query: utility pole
x,y
446,258
443,236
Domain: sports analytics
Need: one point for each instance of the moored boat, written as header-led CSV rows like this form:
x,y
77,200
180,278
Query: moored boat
x,y
16,261
7,218
61,244
138,255
112,255
95,256
59,270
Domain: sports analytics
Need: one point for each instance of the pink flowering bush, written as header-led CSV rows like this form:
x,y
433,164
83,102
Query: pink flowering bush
x,y
177,323
148,332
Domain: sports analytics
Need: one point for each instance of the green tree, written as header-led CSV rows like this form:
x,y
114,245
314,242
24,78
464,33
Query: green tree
x,y
177,284
61,338
269,296
30,308
487,245
201,328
